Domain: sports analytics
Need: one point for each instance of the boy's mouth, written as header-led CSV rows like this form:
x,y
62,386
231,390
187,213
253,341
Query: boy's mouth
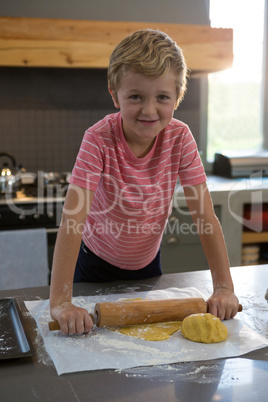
x,y
148,122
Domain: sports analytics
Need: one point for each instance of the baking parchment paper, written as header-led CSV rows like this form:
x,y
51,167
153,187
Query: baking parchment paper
x,y
105,349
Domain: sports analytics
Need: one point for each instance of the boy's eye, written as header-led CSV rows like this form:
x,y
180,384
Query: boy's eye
x,y
163,97
135,97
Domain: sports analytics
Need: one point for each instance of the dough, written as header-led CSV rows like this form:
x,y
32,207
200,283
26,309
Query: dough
x,y
205,328
150,332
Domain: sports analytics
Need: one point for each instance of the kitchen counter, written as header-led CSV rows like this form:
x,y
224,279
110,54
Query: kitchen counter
x,y
234,379
222,189
216,184
23,199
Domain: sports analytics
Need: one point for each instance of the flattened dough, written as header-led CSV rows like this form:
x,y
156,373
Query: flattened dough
x,y
151,332
205,328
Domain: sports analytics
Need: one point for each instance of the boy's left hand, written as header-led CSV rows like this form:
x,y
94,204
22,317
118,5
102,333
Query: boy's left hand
x,y
223,303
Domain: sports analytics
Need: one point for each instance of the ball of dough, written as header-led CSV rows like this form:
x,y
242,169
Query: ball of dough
x,y
205,328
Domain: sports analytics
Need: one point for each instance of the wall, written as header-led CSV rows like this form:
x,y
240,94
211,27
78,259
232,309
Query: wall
x,y
44,112
265,80
176,11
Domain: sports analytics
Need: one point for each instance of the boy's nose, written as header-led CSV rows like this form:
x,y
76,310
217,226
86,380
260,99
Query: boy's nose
x,y
149,108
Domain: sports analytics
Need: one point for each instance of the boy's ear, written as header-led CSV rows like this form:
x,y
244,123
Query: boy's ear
x,y
114,97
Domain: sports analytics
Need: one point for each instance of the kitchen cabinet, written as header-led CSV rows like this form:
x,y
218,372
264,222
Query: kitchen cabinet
x,y
229,197
34,212
255,234
41,42
252,237
181,246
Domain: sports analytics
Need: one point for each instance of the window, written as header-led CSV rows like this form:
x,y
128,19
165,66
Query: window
x,y
234,95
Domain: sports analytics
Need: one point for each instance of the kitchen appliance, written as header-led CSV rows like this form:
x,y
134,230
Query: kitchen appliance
x,y
9,176
49,184
38,204
234,164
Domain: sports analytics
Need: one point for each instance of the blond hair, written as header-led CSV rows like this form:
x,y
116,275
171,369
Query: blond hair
x,y
150,52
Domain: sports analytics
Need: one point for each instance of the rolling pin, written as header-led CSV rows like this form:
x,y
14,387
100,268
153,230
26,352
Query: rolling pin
x,y
134,312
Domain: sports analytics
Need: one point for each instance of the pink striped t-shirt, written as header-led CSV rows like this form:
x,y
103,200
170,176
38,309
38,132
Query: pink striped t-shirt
x,y
132,199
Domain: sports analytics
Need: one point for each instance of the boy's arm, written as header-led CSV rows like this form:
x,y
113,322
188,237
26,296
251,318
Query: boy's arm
x,y
223,302
76,207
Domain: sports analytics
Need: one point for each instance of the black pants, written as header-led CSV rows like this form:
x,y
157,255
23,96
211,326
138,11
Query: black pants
x,y
91,268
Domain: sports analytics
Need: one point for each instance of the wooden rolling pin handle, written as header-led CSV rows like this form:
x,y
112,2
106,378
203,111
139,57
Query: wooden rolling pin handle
x,y
55,326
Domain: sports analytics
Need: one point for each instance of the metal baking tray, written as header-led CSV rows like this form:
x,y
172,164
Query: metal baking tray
x,y
14,340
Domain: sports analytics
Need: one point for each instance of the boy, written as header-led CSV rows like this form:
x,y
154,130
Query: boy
x,y
121,187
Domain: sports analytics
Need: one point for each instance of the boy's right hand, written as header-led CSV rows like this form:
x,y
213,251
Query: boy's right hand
x,y
72,319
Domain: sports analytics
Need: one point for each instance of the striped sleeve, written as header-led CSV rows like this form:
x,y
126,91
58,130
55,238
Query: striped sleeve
x,y
89,163
191,171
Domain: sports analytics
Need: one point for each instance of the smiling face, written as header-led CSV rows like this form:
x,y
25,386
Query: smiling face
x,y
147,105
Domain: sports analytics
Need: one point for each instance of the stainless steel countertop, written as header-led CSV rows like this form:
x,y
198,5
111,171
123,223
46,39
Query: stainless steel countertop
x,y
234,379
